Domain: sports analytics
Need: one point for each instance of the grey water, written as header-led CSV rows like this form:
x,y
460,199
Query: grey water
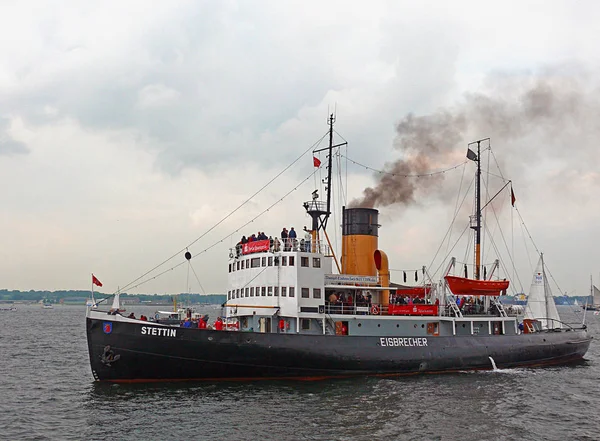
x,y
48,393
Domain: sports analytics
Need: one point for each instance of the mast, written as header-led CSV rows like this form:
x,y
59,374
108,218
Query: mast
x,y
545,293
476,223
478,213
320,211
329,163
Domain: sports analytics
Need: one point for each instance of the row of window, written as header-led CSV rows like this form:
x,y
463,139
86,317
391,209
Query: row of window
x,y
257,262
270,291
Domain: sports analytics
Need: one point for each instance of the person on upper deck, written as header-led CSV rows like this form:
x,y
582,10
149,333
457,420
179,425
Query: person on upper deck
x,y
292,234
307,240
284,239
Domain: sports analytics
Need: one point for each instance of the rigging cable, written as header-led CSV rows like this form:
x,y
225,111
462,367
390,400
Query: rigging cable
x,y
449,231
230,234
422,175
128,286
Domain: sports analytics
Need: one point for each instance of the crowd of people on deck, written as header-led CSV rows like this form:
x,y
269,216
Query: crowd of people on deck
x,y
289,241
343,302
470,305
399,299
202,323
142,317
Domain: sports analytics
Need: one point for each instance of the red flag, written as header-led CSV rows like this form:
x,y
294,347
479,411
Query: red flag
x,y
316,162
96,281
513,199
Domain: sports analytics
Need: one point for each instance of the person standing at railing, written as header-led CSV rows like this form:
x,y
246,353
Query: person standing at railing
x,y
307,241
293,239
284,239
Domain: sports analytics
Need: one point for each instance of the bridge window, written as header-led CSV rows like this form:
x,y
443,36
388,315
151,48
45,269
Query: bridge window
x,y
263,291
292,291
276,291
291,260
270,291
283,291
270,261
243,261
230,267
247,292
238,265
304,261
305,293
255,262
283,260
237,293
264,261
252,292
316,262
316,293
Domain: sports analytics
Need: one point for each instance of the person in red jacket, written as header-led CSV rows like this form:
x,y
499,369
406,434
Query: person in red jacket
x,y
219,324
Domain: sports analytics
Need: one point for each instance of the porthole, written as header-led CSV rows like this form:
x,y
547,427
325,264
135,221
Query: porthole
x,y
415,325
379,325
397,326
359,325
422,325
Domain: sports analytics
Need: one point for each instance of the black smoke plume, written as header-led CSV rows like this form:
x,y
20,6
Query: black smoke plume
x,y
546,114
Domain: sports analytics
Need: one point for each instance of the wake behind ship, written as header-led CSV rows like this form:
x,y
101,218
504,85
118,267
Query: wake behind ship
x,y
290,315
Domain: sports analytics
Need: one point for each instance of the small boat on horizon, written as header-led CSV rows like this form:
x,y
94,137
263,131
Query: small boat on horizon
x,y
12,308
595,298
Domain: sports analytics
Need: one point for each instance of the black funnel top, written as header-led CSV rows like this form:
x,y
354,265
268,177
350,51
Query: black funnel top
x,y
362,221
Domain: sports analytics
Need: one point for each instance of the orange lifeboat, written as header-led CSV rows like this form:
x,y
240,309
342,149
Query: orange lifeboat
x,y
471,287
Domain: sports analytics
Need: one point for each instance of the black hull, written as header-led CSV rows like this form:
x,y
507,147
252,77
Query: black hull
x,y
130,352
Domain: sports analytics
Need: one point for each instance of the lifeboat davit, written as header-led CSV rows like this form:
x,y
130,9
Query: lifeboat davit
x,y
472,287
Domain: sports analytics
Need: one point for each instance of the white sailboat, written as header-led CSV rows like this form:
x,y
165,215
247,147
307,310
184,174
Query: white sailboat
x,y
116,305
540,302
595,294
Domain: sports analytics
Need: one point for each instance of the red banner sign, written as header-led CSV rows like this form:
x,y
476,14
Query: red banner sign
x,y
256,247
416,309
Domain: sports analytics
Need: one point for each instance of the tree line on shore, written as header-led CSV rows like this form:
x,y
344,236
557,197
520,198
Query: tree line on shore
x,y
75,296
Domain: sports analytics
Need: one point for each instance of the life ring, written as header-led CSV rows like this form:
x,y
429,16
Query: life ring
x,y
375,310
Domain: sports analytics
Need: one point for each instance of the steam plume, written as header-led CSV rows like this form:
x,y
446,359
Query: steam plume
x,y
518,113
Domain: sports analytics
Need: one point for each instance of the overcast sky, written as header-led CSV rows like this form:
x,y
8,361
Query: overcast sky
x,y
127,130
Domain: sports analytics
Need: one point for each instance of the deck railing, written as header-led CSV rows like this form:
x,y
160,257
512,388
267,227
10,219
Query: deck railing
x,y
276,245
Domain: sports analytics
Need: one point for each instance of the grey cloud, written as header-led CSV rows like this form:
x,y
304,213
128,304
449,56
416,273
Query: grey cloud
x,y
8,145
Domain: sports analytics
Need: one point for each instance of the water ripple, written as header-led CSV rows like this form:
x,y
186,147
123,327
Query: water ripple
x,y
49,394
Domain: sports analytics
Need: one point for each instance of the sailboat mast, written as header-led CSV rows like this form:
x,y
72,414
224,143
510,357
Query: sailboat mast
x,y
545,294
